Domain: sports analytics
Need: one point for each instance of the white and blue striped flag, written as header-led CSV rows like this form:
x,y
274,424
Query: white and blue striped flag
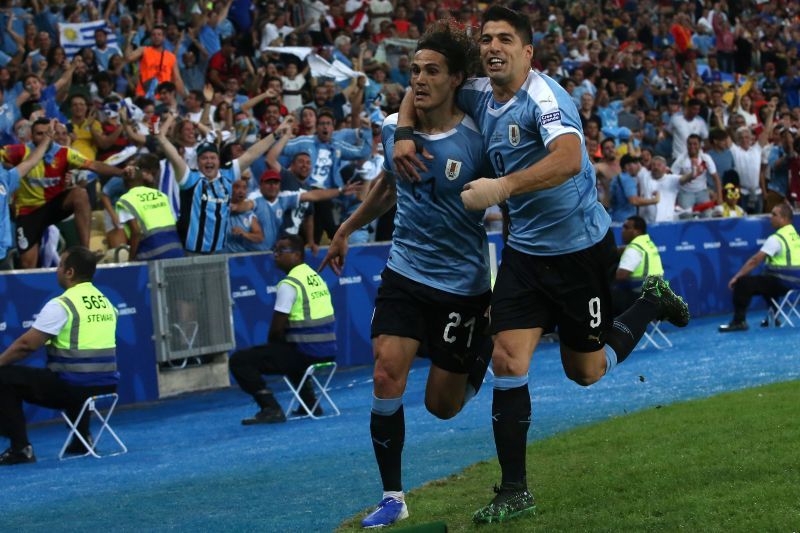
x,y
74,37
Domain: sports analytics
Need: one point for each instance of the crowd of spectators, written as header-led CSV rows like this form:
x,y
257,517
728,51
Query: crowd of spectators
x,y
684,105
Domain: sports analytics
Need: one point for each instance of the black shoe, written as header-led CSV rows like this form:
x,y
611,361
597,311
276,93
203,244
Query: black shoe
x,y
512,500
76,447
735,325
299,411
12,457
671,307
765,323
267,415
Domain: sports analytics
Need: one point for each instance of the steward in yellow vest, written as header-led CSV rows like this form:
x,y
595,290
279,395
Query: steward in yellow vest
x,y
145,211
639,260
302,333
781,251
78,329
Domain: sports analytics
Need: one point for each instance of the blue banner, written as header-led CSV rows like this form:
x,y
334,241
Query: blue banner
x,y
699,258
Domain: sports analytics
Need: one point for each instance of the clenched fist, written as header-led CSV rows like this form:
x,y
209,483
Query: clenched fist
x,y
484,192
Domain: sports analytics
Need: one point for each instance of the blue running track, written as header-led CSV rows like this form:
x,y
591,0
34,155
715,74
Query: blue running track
x,y
193,467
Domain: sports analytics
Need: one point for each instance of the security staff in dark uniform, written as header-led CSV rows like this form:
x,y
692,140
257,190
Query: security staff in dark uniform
x,y
781,251
639,260
302,333
79,330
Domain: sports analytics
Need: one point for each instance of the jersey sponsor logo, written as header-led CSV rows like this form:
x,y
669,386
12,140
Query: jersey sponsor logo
x,y
547,118
514,135
452,169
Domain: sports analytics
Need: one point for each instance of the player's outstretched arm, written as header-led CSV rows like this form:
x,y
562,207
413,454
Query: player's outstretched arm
x,y
562,163
382,196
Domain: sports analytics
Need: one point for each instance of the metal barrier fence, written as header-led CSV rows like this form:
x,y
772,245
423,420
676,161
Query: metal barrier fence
x,y
191,307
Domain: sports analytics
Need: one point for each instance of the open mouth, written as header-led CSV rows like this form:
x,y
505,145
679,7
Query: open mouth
x,y
495,63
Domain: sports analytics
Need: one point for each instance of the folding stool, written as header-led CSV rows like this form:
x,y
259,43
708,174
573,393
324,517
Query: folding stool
x,y
321,388
652,335
785,307
90,406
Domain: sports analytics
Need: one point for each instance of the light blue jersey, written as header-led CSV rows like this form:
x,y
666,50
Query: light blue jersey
x,y
237,243
436,241
326,157
554,221
9,182
271,215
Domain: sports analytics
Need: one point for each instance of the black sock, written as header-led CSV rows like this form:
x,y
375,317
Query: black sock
x,y
511,418
478,370
630,326
388,435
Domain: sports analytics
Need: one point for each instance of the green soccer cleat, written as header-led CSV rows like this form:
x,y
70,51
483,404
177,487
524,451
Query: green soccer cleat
x,y
512,500
671,307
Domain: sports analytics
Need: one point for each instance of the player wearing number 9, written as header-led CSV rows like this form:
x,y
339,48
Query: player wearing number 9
x,y
560,257
79,330
435,289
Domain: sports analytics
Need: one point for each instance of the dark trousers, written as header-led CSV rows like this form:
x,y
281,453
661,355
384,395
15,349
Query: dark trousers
x,y
39,386
276,358
749,286
324,220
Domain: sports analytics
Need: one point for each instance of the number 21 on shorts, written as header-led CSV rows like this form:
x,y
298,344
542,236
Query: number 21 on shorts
x,y
455,321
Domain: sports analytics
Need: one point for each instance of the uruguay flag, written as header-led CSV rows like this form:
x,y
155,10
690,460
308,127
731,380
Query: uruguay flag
x,y
81,35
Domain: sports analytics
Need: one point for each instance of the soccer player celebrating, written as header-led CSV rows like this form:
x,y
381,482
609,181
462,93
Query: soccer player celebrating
x,y
560,257
435,289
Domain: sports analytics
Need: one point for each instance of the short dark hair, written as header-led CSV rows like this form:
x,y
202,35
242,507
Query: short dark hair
x,y
296,242
81,260
166,86
326,112
608,139
41,122
694,101
149,163
638,224
198,94
695,136
785,211
517,20
459,50
718,134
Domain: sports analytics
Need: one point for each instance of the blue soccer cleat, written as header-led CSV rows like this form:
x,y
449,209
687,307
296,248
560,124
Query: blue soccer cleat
x,y
389,511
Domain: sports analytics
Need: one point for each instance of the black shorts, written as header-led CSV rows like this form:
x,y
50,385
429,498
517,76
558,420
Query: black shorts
x,y
30,227
452,328
570,291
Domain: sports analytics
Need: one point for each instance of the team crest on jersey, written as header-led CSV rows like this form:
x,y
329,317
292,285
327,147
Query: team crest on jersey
x,y
452,169
513,134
